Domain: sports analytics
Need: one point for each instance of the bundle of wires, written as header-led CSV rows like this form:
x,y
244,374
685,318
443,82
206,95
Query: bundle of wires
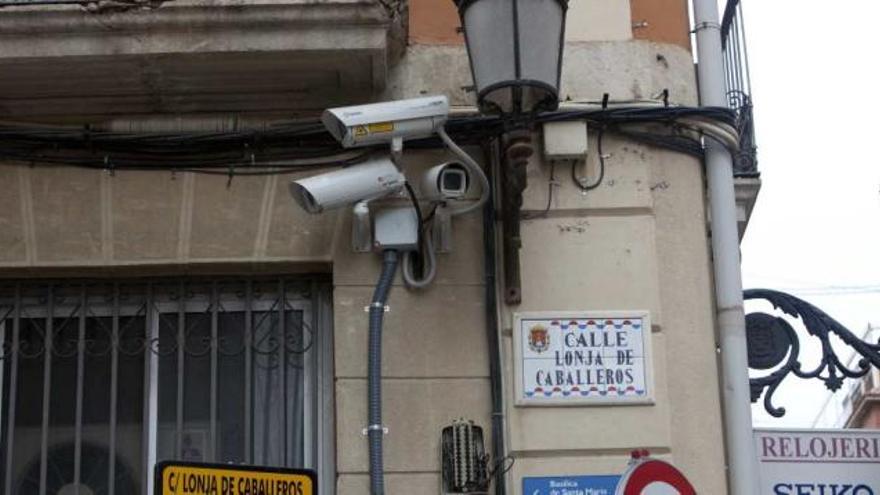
x,y
284,146
290,146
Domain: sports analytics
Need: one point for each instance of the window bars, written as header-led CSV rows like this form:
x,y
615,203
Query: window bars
x,y
100,380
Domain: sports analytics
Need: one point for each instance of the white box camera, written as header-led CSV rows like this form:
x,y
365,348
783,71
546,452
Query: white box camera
x,y
373,179
363,125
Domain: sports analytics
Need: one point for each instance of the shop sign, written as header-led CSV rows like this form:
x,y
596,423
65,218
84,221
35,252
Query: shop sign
x,y
818,462
583,358
190,478
570,485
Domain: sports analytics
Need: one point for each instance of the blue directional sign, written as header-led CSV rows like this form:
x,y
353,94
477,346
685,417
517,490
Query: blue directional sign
x,y
571,485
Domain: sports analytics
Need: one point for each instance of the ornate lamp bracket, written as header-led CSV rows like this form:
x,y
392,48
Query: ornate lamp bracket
x,y
774,347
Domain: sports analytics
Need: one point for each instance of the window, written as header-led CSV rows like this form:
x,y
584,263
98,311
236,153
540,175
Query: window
x,y
100,380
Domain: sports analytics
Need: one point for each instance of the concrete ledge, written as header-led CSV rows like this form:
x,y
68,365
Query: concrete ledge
x,y
746,190
192,57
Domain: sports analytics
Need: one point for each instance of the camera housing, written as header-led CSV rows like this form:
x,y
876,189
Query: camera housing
x,y
447,181
373,179
364,125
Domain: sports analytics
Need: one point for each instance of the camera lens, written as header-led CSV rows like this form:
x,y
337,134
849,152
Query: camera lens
x,y
453,180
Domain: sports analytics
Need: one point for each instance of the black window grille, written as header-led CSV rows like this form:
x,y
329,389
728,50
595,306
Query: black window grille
x,y
102,379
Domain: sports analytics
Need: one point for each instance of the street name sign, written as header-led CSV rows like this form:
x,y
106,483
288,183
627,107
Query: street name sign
x,y
190,478
570,485
583,358
818,462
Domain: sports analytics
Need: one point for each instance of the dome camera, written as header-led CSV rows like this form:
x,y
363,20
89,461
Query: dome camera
x,y
447,181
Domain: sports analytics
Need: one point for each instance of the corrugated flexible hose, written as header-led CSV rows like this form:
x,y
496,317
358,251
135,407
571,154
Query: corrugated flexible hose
x,y
374,375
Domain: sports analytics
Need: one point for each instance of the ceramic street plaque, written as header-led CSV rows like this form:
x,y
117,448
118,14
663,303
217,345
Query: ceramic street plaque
x,y
571,358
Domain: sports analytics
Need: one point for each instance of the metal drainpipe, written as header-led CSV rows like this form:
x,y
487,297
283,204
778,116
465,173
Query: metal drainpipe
x,y
490,252
742,462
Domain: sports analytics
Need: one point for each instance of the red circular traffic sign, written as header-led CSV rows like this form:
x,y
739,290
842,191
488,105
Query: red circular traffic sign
x,y
654,477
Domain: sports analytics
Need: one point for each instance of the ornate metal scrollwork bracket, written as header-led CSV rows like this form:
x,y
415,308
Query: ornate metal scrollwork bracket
x,y
773,345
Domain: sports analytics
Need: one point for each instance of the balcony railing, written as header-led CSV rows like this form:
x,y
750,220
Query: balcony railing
x,y
739,90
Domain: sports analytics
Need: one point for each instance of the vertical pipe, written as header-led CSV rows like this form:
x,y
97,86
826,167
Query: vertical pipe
x,y
80,377
181,370
215,304
490,296
114,394
742,462
375,429
248,374
47,386
13,392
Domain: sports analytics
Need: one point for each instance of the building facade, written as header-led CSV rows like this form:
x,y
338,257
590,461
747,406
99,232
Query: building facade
x,y
170,313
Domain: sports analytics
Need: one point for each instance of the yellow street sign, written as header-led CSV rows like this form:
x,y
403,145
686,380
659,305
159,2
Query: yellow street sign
x,y
191,478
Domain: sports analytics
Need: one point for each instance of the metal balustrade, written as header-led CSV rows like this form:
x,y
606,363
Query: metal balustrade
x,y
739,89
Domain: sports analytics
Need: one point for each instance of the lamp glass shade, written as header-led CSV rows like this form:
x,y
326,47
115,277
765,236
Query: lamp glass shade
x,y
515,50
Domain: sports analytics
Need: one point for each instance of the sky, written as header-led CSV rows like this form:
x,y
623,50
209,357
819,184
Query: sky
x,y
815,229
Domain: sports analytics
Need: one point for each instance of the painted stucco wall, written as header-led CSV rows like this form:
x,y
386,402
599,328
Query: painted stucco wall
x,y
637,242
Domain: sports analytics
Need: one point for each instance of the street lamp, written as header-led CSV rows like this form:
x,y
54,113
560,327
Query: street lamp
x,y
515,50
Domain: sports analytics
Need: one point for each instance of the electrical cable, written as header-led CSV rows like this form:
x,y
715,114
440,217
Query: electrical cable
x,y
725,134
429,265
490,296
426,242
425,250
474,169
271,144
375,429
550,185
589,187
415,202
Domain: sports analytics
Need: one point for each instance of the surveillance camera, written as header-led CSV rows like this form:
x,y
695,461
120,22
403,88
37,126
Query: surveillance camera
x,y
363,125
373,179
445,181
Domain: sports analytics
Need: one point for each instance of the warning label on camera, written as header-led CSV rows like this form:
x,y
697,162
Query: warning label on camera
x,y
381,127
177,478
